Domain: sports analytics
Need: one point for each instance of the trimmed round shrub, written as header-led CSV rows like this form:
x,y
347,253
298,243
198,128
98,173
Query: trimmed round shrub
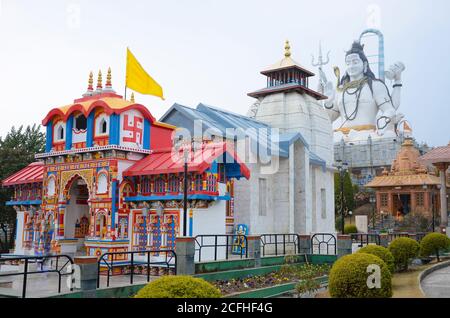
x,y
179,287
350,275
350,229
381,252
403,249
432,243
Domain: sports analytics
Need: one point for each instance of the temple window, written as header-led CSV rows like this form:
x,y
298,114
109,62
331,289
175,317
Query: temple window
x,y
211,183
159,185
145,187
174,184
384,200
420,199
198,182
59,132
102,183
51,187
101,125
80,122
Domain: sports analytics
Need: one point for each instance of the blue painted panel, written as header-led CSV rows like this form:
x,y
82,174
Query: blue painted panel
x,y
90,130
35,202
114,129
147,129
49,137
114,204
233,170
69,127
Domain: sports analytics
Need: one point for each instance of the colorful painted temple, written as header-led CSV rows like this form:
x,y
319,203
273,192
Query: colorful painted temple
x,y
110,181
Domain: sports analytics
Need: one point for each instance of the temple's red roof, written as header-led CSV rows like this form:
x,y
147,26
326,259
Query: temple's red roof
x,y
169,161
31,174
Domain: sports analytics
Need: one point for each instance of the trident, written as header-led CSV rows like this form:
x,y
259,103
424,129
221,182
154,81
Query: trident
x,y
320,61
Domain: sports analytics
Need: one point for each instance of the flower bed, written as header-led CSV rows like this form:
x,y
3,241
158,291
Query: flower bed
x,y
287,274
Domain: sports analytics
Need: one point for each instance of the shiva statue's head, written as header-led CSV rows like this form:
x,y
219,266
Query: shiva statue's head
x,y
357,65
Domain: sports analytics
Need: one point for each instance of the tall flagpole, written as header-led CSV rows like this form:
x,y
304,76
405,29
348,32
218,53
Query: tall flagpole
x,y
126,64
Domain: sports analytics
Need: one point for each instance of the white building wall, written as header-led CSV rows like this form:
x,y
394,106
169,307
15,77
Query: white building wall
x,y
210,221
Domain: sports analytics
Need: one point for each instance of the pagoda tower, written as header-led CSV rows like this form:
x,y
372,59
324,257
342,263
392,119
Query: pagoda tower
x,y
289,104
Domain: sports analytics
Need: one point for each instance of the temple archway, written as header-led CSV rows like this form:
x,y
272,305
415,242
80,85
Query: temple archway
x,y
77,214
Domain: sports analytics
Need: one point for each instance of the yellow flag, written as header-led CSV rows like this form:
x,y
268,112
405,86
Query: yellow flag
x,y
138,79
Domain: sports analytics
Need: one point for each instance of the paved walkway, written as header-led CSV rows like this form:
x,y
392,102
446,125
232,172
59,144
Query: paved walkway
x,y
437,284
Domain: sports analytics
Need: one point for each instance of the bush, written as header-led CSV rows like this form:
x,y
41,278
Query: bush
x,y
432,243
403,249
179,287
349,277
350,229
382,253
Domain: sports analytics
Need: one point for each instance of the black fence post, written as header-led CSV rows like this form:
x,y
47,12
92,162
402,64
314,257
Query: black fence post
x,y
25,275
132,268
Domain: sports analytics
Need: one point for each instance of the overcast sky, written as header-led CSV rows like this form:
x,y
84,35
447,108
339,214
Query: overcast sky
x,y
212,51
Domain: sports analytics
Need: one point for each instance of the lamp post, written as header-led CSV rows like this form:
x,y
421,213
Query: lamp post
x,y
382,220
187,147
373,200
350,213
342,168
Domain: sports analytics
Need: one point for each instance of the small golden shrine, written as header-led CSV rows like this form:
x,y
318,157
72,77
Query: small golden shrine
x,y
408,187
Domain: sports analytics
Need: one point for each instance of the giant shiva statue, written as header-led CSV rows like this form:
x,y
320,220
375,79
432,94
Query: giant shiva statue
x,y
363,103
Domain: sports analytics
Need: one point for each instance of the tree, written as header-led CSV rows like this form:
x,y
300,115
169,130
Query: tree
x,y
17,150
349,195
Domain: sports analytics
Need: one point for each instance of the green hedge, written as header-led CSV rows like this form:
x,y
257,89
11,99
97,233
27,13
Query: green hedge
x,y
179,287
432,243
349,276
382,253
350,229
403,249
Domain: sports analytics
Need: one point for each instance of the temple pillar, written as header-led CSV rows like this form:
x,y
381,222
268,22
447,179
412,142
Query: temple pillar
x,y
413,196
391,204
378,202
61,213
426,202
444,212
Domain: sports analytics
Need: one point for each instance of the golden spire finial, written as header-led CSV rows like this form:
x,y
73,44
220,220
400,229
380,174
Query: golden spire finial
x,y
91,82
132,97
99,80
108,78
287,49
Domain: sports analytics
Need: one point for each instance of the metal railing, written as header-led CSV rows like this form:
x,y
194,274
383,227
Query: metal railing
x,y
393,236
137,258
420,236
320,240
279,242
365,239
55,262
233,244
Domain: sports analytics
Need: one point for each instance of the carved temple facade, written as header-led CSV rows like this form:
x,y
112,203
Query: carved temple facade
x,y
110,181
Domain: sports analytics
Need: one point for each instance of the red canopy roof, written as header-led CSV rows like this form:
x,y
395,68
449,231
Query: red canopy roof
x,y
170,161
31,174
